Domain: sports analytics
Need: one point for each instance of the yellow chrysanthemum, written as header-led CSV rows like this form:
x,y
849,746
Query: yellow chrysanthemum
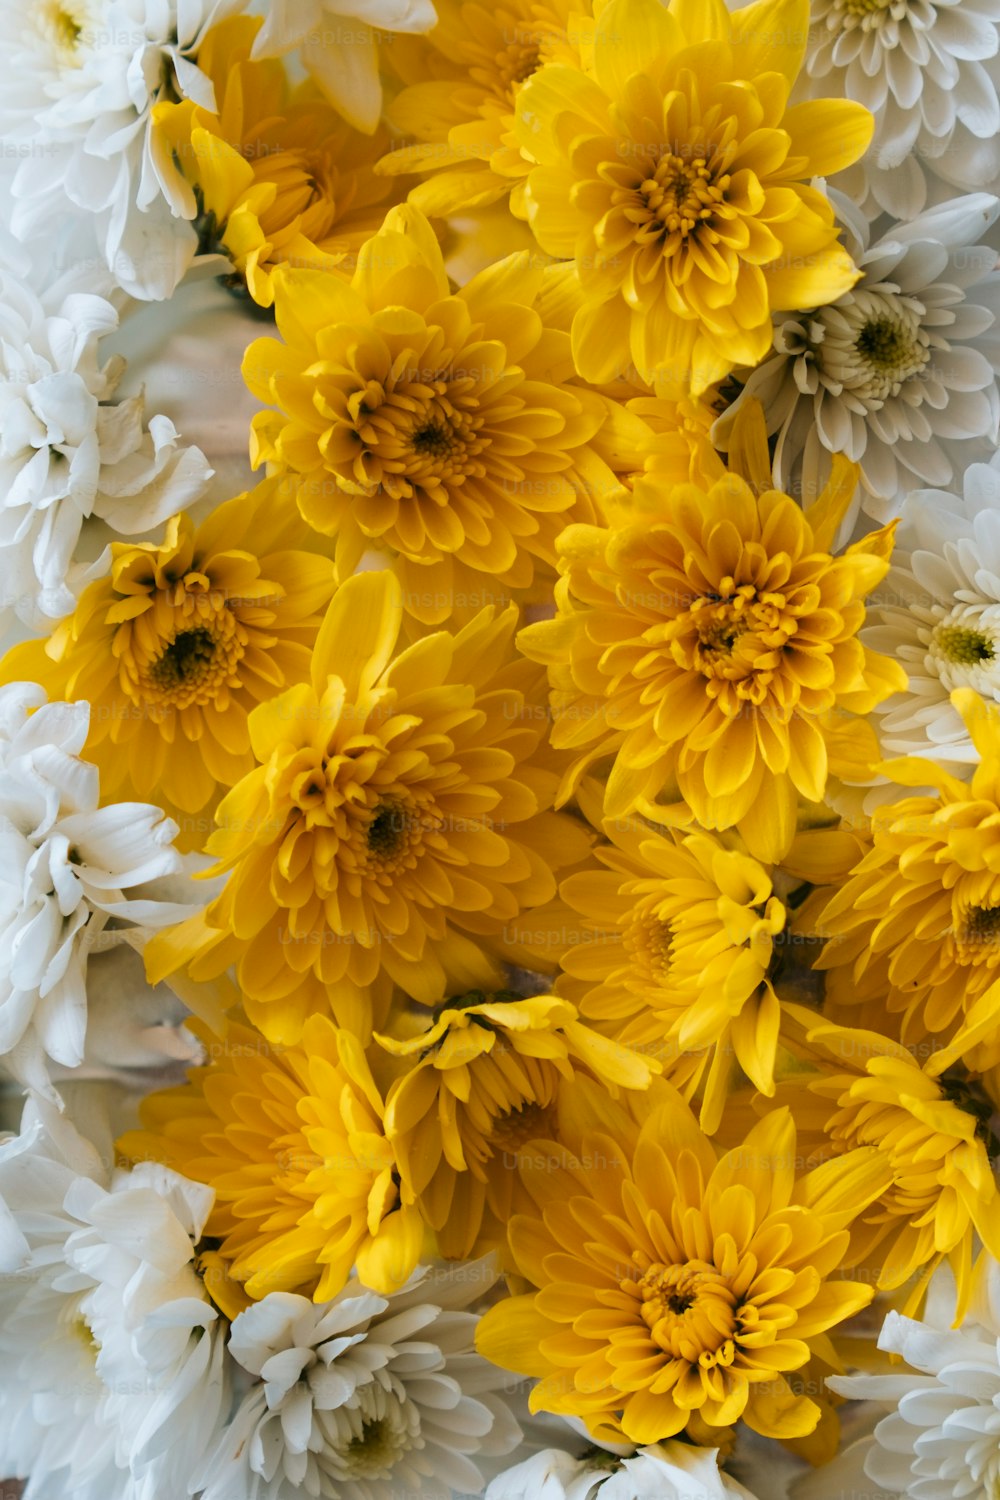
x,y
675,940
275,175
669,1282
179,642
437,426
916,925
394,825
484,1080
931,1130
677,175
458,111
705,638
292,1143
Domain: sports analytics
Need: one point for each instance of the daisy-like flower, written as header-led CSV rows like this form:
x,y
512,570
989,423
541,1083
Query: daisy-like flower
x,y
940,1436
916,924
671,1471
83,78
365,1397
669,1283
900,373
927,69
941,617
179,641
395,823
458,107
681,186
483,1080
104,1262
702,640
439,427
72,874
933,1133
69,451
339,45
278,175
676,943
292,1141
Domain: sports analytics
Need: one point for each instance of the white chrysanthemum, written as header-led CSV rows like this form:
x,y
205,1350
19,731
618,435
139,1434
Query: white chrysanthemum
x,y
928,70
339,45
938,613
365,1397
80,80
900,373
941,1439
69,451
112,1381
670,1471
65,867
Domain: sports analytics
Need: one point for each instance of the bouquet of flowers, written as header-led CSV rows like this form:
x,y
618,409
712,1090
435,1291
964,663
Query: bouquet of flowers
x,y
500,749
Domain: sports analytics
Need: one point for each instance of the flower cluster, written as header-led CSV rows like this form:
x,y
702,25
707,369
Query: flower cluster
x,y
500,907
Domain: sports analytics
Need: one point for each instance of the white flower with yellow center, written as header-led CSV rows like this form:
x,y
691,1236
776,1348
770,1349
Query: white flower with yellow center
x,y
938,614
900,373
77,466
364,1397
928,70
81,78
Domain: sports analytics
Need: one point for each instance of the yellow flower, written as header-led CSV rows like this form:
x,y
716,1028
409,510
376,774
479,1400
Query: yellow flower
x,y
292,1142
704,640
484,1079
459,107
440,427
677,175
931,1130
674,951
179,642
669,1282
394,825
915,927
276,174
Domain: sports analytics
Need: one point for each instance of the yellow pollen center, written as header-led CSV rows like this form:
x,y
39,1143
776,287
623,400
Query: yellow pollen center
x,y
690,1311
980,928
681,194
964,647
513,1129
422,435
62,26
733,639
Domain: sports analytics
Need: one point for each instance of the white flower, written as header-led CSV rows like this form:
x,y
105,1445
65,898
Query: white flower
x,y
81,78
669,1471
941,617
364,1397
65,866
900,373
941,1440
928,71
112,1380
339,42
69,451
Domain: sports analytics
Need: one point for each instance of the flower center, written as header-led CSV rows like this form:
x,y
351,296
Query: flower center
x,y
682,193
306,182
514,1128
422,434
733,639
886,344
870,344
962,646
192,666
868,13
61,27
517,61
367,1440
690,1311
189,656
980,930
389,829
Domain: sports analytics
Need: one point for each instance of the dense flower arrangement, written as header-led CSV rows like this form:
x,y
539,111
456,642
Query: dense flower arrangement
x,y
500,749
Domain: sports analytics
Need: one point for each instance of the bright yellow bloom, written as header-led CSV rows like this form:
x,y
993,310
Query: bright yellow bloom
x,y
675,951
292,1142
438,426
669,1281
704,640
459,108
276,174
395,823
484,1079
933,1133
179,642
676,174
916,925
